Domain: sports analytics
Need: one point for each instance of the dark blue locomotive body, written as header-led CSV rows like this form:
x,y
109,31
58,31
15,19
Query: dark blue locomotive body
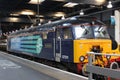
x,y
47,41
64,41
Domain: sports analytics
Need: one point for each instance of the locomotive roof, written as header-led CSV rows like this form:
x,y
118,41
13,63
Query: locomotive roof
x,y
71,20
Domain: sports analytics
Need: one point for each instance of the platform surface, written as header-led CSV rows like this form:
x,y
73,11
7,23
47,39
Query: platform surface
x,y
10,70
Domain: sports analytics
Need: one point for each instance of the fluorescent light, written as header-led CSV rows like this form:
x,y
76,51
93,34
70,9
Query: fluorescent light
x,y
14,19
100,1
14,14
27,12
59,14
36,1
70,4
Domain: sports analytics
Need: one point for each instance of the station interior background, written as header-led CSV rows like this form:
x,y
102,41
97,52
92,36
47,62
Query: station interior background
x,y
20,14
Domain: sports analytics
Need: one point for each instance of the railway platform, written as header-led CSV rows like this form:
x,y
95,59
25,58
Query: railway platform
x,y
10,70
15,68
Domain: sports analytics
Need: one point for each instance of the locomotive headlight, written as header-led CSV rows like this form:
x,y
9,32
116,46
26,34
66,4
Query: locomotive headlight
x,y
82,58
108,57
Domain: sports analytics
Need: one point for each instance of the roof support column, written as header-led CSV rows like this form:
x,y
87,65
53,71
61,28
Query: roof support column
x,y
117,26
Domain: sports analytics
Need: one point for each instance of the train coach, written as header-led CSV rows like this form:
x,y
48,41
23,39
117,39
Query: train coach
x,y
64,41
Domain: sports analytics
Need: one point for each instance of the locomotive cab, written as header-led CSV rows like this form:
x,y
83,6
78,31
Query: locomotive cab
x,y
91,38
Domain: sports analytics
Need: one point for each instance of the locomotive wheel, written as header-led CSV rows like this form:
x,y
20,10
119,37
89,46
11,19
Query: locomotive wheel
x,y
84,72
114,65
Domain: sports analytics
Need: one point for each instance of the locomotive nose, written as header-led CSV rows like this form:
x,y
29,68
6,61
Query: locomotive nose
x,y
81,47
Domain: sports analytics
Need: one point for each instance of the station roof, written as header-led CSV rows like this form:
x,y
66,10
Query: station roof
x,y
16,14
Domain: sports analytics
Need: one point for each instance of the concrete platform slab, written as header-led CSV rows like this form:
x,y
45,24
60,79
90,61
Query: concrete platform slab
x,y
10,70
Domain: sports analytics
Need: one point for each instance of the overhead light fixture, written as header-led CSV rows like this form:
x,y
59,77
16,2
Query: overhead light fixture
x,y
12,14
27,12
39,24
81,12
70,4
100,2
13,19
36,1
109,4
59,14
63,17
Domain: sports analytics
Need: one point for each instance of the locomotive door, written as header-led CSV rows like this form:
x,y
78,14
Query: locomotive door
x,y
58,45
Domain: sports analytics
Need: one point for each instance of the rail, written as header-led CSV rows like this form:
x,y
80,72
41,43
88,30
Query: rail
x,y
100,70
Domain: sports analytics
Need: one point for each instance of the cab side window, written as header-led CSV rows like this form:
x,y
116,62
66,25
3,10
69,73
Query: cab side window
x,y
67,34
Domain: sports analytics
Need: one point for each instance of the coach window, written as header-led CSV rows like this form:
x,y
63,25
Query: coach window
x,y
67,33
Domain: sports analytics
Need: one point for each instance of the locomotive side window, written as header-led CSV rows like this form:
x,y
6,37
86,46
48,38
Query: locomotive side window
x,y
67,33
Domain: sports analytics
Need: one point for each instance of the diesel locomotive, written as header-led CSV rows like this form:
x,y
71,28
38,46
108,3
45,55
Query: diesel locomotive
x,y
64,41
